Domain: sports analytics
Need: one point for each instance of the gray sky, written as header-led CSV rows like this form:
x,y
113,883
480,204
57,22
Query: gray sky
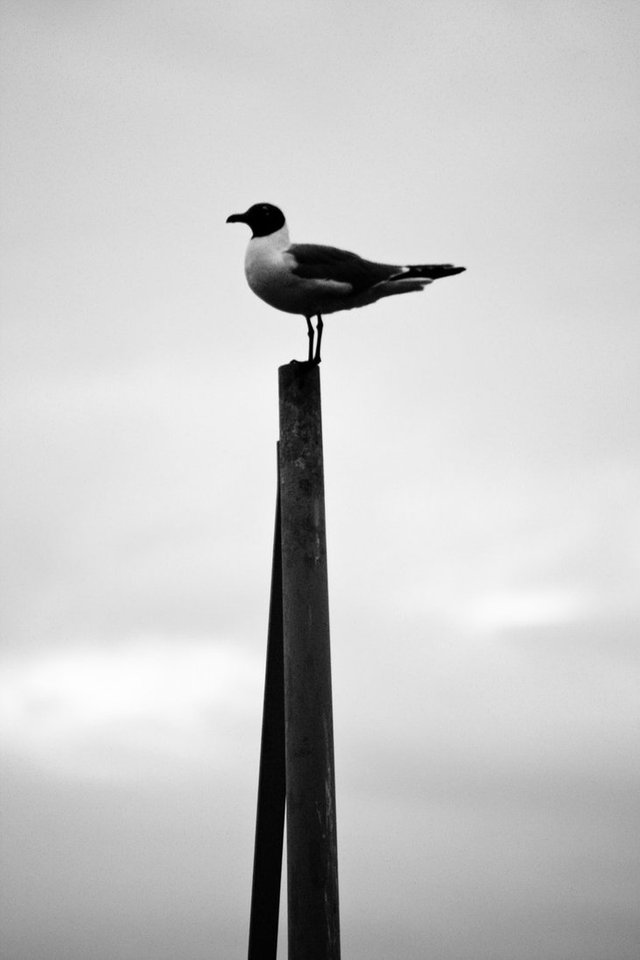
x,y
482,465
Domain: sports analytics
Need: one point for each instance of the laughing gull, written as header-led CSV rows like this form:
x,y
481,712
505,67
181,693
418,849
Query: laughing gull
x,y
311,280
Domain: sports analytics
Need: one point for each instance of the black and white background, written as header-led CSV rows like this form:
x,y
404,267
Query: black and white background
x,y
481,453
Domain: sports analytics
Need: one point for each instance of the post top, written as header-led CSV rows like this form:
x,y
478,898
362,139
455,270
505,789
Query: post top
x,y
300,366
299,371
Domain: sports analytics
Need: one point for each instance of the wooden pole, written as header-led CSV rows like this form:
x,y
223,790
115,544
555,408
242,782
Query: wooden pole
x,y
267,858
312,862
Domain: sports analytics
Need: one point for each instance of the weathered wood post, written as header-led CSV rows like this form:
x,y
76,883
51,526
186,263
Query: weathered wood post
x,y
296,755
312,862
267,858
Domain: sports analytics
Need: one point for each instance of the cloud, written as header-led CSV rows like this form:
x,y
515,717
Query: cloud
x,y
147,706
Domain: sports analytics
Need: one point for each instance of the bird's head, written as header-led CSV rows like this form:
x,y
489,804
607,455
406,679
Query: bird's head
x,y
263,218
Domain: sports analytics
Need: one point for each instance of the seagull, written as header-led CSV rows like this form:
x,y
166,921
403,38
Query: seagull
x,y
313,280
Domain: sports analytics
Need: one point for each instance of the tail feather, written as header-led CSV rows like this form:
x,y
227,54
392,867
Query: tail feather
x,y
407,279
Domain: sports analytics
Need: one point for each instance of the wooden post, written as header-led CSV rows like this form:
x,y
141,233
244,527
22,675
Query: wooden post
x,y
267,858
312,862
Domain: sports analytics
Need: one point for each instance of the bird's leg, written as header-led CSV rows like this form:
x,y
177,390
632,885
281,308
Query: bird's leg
x,y
319,329
310,335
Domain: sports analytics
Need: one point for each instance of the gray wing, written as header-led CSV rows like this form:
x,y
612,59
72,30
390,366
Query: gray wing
x,y
315,262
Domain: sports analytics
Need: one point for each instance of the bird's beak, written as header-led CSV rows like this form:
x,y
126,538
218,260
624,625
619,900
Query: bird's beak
x,y
236,218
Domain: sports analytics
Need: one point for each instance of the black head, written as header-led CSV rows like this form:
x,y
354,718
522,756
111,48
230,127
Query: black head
x,y
263,218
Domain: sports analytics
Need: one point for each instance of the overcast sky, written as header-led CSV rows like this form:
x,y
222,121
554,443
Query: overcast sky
x,y
482,461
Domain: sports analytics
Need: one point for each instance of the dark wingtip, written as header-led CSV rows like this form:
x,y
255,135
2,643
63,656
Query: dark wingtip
x,y
433,271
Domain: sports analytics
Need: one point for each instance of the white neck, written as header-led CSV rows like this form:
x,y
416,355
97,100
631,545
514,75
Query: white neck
x,y
274,241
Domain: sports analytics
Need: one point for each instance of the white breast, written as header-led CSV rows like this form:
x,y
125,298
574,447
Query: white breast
x,y
263,261
268,272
